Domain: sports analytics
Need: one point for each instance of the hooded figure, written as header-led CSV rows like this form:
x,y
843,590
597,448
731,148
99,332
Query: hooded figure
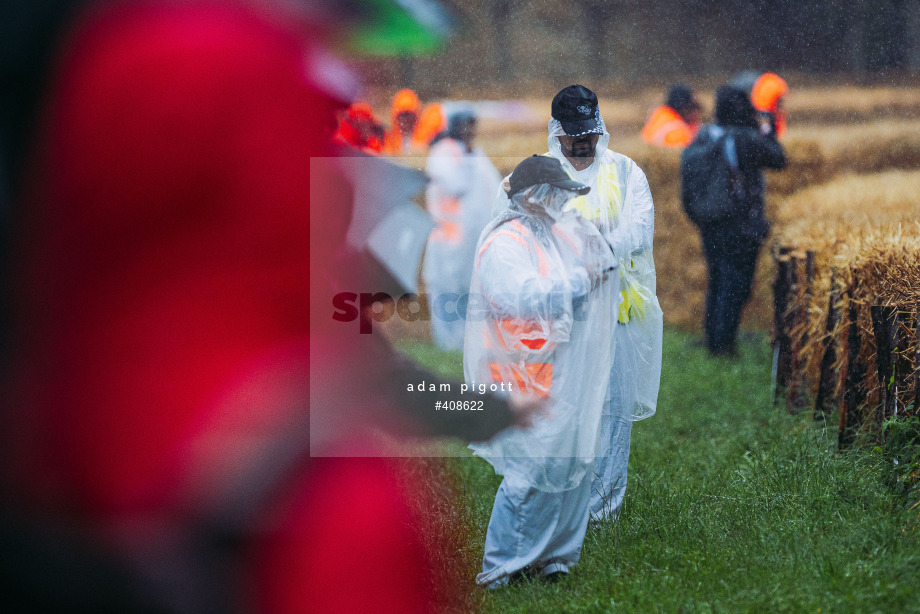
x,y
767,92
463,182
543,286
620,206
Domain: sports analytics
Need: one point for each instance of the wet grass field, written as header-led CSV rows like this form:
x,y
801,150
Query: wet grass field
x,y
732,505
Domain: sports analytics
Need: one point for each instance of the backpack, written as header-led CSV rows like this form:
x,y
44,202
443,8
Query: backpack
x,y
712,189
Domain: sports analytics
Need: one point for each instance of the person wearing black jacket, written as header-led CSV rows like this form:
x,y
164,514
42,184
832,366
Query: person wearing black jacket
x,y
731,246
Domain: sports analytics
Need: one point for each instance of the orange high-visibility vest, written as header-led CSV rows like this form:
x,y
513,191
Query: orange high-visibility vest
x,y
520,336
666,128
431,122
404,101
446,213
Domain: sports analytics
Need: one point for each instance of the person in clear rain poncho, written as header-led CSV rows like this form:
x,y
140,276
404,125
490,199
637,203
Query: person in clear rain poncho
x,y
620,206
462,187
544,285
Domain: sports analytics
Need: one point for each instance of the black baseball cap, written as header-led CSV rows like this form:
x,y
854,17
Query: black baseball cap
x,y
536,170
576,109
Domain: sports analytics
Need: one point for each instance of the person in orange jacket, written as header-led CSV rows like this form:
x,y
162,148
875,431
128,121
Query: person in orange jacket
x,y
676,122
767,91
360,129
413,127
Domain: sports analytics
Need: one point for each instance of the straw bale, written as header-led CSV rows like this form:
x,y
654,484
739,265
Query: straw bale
x,y
888,267
867,146
851,104
862,227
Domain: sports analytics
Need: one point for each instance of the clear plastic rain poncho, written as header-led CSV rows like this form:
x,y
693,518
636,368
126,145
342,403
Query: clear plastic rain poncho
x,y
543,289
620,206
458,196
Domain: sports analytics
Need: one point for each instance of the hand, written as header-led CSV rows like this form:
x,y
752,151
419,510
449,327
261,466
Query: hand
x,y
527,408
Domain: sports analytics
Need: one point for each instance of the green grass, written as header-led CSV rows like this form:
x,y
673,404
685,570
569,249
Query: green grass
x,y
732,506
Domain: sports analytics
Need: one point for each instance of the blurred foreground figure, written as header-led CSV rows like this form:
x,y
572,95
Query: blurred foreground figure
x,y
539,300
156,439
676,122
767,92
412,127
459,198
722,188
620,206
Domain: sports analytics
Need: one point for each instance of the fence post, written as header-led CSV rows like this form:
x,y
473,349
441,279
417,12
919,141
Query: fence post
x,y
885,329
800,386
902,362
829,377
854,389
782,355
917,362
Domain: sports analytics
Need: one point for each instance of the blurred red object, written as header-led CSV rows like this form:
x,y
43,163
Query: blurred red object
x,y
165,252
163,299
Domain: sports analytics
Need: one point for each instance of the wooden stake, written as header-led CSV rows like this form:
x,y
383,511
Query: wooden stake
x,y
902,363
885,328
829,377
917,362
854,389
801,382
782,352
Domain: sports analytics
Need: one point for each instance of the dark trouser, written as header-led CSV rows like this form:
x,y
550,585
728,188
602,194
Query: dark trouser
x,y
731,265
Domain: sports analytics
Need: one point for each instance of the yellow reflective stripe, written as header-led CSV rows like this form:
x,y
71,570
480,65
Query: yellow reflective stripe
x,y
625,305
610,188
610,195
633,304
580,204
